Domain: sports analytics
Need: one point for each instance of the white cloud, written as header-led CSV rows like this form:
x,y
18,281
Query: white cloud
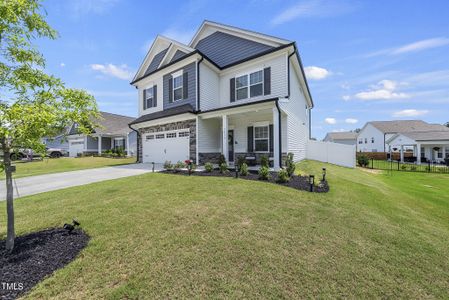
x,y
384,90
412,47
62,65
312,8
183,36
409,113
121,72
346,97
330,121
316,73
351,121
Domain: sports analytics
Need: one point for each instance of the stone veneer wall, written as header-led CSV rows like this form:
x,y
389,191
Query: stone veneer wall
x,y
188,124
209,157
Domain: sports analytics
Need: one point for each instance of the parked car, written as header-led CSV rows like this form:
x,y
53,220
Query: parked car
x,y
24,153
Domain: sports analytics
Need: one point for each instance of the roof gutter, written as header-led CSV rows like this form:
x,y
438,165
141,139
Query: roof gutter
x,y
138,141
198,83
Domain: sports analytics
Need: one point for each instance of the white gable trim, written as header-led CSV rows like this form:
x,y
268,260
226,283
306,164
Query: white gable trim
x,y
209,27
170,43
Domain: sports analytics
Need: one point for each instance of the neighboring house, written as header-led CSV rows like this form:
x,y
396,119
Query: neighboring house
x,y
347,138
428,146
58,142
230,91
374,135
113,132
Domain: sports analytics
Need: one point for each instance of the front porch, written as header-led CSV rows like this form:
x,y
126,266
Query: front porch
x,y
433,152
242,133
97,144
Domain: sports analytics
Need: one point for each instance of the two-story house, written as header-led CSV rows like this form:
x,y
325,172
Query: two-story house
x,y
230,91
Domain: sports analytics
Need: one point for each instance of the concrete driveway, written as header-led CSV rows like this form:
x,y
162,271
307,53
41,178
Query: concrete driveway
x,y
44,183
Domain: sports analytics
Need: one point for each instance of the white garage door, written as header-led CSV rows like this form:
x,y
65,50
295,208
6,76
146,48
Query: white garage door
x,y
162,146
75,147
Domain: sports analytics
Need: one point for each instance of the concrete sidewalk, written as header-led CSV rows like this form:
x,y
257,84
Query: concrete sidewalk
x,y
44,183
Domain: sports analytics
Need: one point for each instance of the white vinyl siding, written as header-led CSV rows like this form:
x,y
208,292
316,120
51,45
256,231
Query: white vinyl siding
x,y
278,80
296,121
368,133
209,88
159,101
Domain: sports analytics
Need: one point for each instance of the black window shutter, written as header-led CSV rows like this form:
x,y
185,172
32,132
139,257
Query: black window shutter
x,y
267,81
170,90
154,95
271,138
250,139
232,89
185,85
144,99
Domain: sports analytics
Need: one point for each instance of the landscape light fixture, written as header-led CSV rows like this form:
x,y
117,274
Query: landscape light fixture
x,y
311,182
324,174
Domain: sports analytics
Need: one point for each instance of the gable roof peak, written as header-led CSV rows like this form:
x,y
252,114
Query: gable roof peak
x,y
208,27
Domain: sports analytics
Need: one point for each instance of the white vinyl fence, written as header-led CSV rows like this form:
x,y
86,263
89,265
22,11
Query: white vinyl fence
x,y
333,153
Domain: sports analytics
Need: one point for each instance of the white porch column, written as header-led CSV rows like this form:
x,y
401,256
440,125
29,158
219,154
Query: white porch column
x,y
418,154
276,161
402,153
99,144
127,145
443,150
225,138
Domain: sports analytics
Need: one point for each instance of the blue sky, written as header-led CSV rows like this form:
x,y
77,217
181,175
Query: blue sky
x,y
365,60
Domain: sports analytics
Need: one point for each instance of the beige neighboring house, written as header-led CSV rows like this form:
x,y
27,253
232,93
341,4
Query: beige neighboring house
x,y
346,137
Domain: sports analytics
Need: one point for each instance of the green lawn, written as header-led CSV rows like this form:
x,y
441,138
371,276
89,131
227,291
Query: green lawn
x,y
168,236
63,164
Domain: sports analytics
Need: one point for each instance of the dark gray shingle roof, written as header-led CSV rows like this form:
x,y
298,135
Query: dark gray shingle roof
x,y
113,124
178,55
428,135
186,108
225,49
156,61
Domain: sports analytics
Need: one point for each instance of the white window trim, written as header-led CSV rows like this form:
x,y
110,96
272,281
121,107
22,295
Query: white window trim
x,y
175,75
249,85
152,98
268,137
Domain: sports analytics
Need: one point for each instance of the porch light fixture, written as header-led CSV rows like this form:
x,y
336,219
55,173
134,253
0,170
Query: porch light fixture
x,y
324,174
311,182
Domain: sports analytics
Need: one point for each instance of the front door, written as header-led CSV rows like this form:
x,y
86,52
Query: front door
x,y
231,145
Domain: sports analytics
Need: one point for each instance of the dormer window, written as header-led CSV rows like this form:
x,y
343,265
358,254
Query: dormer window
x,y
177,88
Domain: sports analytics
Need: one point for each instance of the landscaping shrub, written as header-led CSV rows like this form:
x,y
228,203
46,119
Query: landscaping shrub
x,y
120,152
363,161
168,165
209,167
283,176
413,168
223,168
240,161
446,160
221,160
290,165
403,167
244,170
264,161
180,165
264,173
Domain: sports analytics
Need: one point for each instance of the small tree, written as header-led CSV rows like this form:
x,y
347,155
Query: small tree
x,y
446,124
33,104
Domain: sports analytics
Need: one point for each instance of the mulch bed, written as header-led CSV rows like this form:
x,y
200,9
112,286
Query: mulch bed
x,y
296,182
35,256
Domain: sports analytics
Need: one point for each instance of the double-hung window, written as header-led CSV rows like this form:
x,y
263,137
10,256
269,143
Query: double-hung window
x,y
256,84
241,87
149,97
249,85
177,88
261,138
